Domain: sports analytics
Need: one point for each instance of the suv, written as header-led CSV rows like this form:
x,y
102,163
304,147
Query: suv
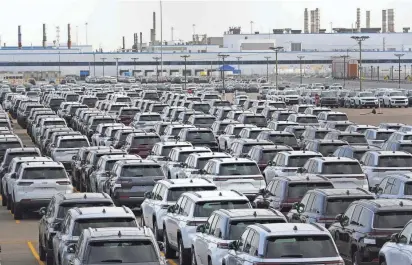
x,y
364,100
366,225
53,215
191,210
279,137
36,183
394,186
395,99
263,154
378,136
166,193
130,179
210,244
323,205
297,244
325,147
199,137
398,249
344,172
196,162
349,137
140,143
160,151
241,147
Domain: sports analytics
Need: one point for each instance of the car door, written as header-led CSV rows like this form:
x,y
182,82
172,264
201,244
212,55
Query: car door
x,y
148,205
172,222
402,251
201,242
348,233
338,233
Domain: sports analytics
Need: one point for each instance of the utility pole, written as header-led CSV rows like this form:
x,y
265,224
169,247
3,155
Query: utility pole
x,y
267,67
134,64
359,40
117,66
86,32
344,68
238,65
399,55
300,67
161,41
157,68
185,58
223,56
103,59
251,27
276,50
94,64
59,68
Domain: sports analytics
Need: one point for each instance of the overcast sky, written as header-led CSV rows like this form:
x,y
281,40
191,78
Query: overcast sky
x,y
109,20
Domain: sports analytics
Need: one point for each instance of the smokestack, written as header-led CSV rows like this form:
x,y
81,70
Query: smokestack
x,y
141,42
317,20
44,36
358,19
312,21
153,33
69,37
368,19
391,20
124,45
383,21
306,21
19,36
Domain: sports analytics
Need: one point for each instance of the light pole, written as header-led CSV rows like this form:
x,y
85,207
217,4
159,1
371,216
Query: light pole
x,y
103,59
399,55
157,68
161,41
59,67
344,68
267,67
117,66
276,50
251,27
238,66
300,67
94,64
134,64
360,39
223,56
185,58
86,24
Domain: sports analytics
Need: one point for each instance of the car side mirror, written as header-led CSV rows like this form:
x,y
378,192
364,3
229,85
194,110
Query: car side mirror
x,y
299,207
200,228
148,194
71,249
300,170
13,175
57,227
74,157
270,163
42,211
235,245
395,238
343,220
171,209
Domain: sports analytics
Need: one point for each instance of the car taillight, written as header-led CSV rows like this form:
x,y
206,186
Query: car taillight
x,y
65,182
194,223
24,183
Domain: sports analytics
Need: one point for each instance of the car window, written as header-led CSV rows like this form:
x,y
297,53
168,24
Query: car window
x,y
349,212
405,235
355,216
365,218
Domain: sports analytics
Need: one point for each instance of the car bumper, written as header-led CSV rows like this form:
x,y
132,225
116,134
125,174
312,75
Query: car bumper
x,y
35,204
128,200
399,102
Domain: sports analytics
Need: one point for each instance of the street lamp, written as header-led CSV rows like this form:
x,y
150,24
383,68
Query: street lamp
x,y
344,68
300,66
103,59
238,65
157,68
185,58
399,55
94,64
360,39
276,50
267,67
117,66
134,64
223,56
59,68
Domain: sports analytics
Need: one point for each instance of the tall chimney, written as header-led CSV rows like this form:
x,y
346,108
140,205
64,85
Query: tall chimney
x,y
391,20
368,19
19,36
306,21
124,45
69,37
384,21
317,20
312,21
141,42
358,19
154,28
44,36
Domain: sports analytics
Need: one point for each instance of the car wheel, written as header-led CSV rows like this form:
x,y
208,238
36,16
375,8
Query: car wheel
x,y
156,231
184,257
382,263
169,252
3,200
194,262
49,257
12,207
42,252
18,212
9,202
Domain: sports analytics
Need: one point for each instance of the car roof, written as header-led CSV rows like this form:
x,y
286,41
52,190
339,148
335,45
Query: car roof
x,y
388,204
102,211
304,178
344,192
390,153
189,182
335,159
84,196
133,233
216,195
250,213
290,228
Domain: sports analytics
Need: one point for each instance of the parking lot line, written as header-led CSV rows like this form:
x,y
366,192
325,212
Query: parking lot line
x,y
17,221
34,253
171,262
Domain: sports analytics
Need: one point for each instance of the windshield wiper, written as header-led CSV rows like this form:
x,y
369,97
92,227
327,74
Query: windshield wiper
x,y
112,260
292,256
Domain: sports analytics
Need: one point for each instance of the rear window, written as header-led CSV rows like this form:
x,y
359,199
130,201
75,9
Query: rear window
x,y
174,193
392,219
342,168
136,171
335,206
128,112
7,145
395,161
239,169
328,148
298,190
150,118
72,97
268,155
307,120
147,140
205,209
200,136
289,140
255,120
184,155
44,173
98,121
208,120
383,136
298,161
306,246
237,228
337,117
320,134
46,123
73,143
354,139
82,224
64,208
341,127
283,116
201,107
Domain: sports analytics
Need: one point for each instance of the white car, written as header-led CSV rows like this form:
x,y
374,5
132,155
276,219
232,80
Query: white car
x,y
395,99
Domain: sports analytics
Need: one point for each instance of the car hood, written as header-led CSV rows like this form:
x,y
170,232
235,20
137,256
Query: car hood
x,y
368,98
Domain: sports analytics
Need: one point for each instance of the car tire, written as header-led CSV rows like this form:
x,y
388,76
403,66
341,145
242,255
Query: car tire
x,y
12,206
382,263
42,252
193,259
168,251
18,212
49,257
9,202
3,200
156,231
184,255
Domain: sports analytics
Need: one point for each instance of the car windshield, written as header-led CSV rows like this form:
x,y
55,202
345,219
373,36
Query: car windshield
x,y
174,193
44,173
289,140
291,93
337,117
329,94
342,168
353,139
307,246
395,161
82,224
10,156
73,143
237,228
239,169
396,94
255,120
335,206
327,149
392,219
405,137
299,161
298,190
198,136
135,171
366,94
307,120
65,207
145,140
205,209
383,136
150,118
